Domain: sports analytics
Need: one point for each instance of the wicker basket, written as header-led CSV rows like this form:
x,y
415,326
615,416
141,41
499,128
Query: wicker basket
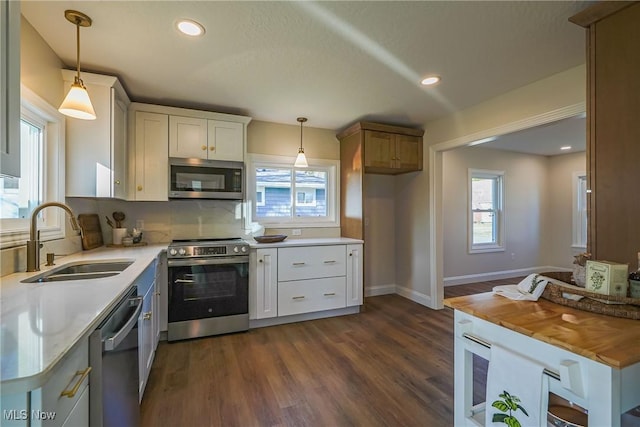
x,y
618,306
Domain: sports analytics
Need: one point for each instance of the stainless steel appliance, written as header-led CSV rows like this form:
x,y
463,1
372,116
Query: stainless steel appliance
x,y
205,179
208,287
113,355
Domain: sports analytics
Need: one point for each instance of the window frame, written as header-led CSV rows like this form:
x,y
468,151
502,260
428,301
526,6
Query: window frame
x,y
331,167
580,220
15,232
498,203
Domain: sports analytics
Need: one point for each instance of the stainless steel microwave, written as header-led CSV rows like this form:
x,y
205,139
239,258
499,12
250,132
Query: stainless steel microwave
x,y
205,179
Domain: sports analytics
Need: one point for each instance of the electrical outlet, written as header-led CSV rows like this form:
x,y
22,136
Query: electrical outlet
x,y
140,224
296,232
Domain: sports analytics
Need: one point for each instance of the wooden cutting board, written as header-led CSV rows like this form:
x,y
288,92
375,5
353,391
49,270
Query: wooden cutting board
x,y
91,231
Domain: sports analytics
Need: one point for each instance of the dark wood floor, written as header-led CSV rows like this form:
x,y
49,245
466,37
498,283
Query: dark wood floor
x,y
390,365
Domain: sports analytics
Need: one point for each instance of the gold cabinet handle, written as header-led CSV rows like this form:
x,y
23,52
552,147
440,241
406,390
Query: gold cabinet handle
x,y
299,297
117,182
74,390
329,294
204,147
212,148
139,187
146,316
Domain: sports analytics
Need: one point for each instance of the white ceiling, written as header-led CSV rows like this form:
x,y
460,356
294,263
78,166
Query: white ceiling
x,y
546,140
333,62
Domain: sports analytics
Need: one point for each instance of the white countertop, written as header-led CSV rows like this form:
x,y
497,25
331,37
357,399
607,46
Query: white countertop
x,y
289,242
41,322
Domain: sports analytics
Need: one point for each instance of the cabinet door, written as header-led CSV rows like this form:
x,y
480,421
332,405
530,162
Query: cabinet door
x,y
378,149
408,153
354,275
225,140
151,161
187,137
267,283
145,339
119,144
10,88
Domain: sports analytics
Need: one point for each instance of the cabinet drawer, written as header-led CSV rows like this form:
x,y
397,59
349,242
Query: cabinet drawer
x,y
69,375
311,262
311,295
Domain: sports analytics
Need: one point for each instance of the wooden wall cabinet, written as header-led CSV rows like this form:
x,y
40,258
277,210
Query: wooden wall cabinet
x,y
372,148
613,129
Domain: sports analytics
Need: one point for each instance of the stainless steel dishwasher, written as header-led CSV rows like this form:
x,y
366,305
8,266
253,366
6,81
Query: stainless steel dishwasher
x,y
113,355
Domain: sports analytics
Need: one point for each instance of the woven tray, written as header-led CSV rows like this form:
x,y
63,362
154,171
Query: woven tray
x,y
619,307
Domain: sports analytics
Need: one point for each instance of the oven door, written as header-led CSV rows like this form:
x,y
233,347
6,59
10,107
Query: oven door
x,y
209,287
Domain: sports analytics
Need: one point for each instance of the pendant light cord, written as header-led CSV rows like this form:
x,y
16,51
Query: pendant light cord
x,y
78,48
301,122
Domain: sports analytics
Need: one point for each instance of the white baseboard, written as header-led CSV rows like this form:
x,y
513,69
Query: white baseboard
x,y
373,291
414,296
497,275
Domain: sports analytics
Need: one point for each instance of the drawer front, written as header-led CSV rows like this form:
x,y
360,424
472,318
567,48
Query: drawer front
x,y
311,295
311,262
69,375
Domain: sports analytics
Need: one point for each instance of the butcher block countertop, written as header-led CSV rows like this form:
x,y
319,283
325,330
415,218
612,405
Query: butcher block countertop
x,y
610,340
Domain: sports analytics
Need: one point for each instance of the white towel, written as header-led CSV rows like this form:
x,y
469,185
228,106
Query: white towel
x,y
514,390
530,288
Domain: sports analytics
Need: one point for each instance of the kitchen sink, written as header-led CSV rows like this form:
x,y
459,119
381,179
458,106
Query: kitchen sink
x,y
82,270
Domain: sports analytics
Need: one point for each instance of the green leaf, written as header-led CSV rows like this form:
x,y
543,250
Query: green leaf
x,y
512,422
523,410
499,418
500,405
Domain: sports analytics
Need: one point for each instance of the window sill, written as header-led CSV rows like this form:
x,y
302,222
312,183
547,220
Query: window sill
x,y
486,249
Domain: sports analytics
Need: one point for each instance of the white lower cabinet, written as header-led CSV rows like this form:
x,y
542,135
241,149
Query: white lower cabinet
x,y
304,279
63,400
146,283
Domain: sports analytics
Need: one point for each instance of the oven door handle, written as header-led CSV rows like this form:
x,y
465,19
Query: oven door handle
x,y
208,261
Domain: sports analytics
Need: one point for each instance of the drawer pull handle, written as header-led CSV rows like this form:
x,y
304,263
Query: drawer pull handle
x,y
329,294
330,262
74,390
300,297
298,263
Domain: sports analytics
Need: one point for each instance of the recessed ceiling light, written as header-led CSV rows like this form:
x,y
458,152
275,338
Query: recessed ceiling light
x,y
565,148
190,27
431,80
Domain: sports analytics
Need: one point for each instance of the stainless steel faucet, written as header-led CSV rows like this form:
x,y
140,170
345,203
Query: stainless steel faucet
x,y
33,245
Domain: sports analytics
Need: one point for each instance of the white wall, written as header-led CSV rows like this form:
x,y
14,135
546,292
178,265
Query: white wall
x,y
525,208
418,273
559,229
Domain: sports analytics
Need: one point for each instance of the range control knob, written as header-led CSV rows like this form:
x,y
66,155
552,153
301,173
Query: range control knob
x,y
235,249
172,252
181,251
243,249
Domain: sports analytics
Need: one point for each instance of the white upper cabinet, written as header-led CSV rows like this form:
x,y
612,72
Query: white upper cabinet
x,y
149,164
10,87
96,149
203,138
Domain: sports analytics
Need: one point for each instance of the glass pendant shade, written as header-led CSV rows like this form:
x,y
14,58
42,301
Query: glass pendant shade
x,y
77,103
301,160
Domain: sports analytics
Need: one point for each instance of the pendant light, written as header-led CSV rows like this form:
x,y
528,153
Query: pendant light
x,y
301,160
77,103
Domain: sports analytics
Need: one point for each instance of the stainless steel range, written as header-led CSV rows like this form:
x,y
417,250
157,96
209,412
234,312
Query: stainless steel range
x,y
208,287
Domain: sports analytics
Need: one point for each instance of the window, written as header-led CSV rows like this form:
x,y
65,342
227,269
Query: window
x,y
19,196
486,230
579,210
41,174
282,195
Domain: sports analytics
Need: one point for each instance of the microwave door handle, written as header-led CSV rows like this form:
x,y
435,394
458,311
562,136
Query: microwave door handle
x,y
114,341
